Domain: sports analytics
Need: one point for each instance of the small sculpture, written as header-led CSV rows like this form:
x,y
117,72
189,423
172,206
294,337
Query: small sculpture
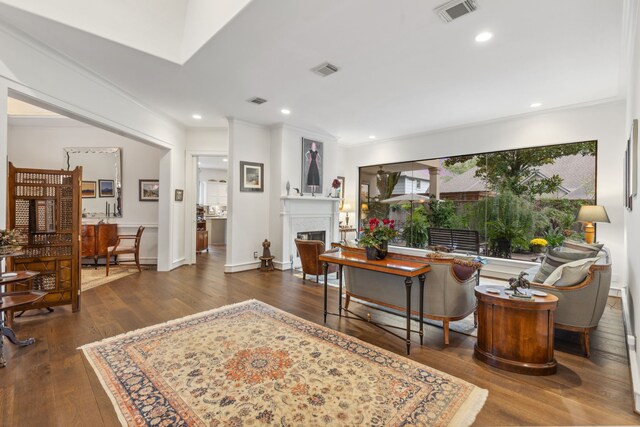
x,y
519,282
266,253
266,260
288,187
299,192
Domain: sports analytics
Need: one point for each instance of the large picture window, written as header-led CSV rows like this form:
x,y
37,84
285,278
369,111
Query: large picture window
x,y
508,204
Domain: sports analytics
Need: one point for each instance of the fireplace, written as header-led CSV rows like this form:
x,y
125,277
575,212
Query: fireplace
x,y
313,235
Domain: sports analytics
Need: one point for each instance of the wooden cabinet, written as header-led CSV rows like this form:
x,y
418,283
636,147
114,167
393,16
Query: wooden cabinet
x,y
516,335
96,238
44,206
216,193
202,240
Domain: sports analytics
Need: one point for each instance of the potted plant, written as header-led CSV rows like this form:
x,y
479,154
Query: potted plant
x,y
375,239
538,244
335,184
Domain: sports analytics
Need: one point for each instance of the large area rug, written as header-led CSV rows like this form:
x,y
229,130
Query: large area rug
x,y
252,364
92,277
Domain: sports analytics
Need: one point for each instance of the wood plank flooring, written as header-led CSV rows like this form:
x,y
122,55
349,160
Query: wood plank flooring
x,y
51,384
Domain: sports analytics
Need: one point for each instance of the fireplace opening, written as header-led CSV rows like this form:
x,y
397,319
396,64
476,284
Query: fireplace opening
x,y
311,235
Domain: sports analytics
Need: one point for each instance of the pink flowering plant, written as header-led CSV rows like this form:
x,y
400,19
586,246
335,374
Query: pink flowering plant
x,y
379,232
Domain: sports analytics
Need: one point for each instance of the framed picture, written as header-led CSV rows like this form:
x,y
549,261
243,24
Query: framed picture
x,y
149,190
312,161
88,189
105,187
251,176
626,167
179,195
633,153
340,191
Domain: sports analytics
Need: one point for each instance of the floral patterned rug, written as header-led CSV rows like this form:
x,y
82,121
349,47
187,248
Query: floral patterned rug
x,y
252,364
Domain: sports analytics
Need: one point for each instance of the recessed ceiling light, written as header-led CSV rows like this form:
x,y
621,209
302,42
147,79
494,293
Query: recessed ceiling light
x,y
285,111
372,137
536,105
225,160
483,37
196,116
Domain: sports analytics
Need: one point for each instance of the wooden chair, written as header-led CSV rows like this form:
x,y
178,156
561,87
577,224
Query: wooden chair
x,y
119,249
309,251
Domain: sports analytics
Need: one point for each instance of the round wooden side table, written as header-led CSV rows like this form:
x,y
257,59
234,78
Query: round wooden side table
x,y
515,334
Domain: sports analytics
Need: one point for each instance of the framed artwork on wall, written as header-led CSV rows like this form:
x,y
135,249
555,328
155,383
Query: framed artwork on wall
x,y
88,189
105,187
149,190
312,162
179,195
251,176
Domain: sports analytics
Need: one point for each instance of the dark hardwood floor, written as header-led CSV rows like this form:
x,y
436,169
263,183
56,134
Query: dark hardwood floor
x,y
51,384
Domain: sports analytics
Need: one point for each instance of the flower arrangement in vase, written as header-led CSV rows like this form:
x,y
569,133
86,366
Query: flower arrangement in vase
x,y
335,184
375,239
9,241
538,244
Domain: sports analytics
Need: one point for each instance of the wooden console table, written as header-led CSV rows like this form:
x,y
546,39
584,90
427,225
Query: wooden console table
x,y
514,334
390,265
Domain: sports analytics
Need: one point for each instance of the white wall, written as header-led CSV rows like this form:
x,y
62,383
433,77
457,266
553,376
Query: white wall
x,y
286,165
247,212
632,219
29,68
603,122
39,143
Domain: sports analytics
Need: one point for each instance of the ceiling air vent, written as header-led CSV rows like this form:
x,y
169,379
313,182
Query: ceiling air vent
x,y
257,100
325,69
455,9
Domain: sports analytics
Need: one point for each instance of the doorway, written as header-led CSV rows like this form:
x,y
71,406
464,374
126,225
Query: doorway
x,y
211,204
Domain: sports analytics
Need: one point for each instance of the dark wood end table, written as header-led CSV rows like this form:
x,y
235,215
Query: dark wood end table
x,y
515,334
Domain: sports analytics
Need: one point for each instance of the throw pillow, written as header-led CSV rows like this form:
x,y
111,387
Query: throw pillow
x,y
571,273
582,246
555,258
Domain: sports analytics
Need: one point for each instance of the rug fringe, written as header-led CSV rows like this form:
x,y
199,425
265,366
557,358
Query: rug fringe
x,y
466,415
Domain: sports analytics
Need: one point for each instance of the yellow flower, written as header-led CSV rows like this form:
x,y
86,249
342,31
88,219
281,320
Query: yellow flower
x,y
538,242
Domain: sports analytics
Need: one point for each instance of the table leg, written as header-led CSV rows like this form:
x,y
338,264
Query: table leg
x,y
421,278
408,282
7,332
325,267
340,290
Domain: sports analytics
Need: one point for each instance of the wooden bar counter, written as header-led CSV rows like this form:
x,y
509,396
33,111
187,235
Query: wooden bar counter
x,y
514,334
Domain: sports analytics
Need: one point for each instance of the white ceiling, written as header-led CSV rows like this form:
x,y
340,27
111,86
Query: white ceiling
x,y
402,70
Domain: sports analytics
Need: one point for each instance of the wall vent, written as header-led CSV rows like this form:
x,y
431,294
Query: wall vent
x,y
455,9
325,69
257,100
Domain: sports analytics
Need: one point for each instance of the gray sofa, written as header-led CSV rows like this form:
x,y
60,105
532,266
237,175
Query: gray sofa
x,y
448,293
580,305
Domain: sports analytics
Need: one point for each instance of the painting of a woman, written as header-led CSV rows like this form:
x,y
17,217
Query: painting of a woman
x,y
312,166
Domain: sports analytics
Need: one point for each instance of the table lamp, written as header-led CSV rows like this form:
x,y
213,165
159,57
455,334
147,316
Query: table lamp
x,y
346,207
590,214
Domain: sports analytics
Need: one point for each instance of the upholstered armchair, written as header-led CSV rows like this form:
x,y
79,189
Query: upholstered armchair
x,y
309,251
448,291
580,305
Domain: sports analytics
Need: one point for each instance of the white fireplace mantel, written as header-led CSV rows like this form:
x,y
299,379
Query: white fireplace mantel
x,y
307,213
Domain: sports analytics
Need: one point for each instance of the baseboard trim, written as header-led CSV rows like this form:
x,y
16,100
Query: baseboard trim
x,y
235,268
283,266
632,355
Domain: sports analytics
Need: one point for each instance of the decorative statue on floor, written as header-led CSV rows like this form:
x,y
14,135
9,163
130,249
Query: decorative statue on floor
x,y
519,282
266,253
266,260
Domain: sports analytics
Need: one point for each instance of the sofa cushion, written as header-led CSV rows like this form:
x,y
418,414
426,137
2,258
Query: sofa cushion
x,y
571,273
555,258
582,246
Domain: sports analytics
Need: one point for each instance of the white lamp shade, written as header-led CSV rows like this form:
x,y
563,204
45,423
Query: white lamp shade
x,y
592,213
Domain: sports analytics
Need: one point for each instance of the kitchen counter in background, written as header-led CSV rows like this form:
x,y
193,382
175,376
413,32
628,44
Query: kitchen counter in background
x,y
217,226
